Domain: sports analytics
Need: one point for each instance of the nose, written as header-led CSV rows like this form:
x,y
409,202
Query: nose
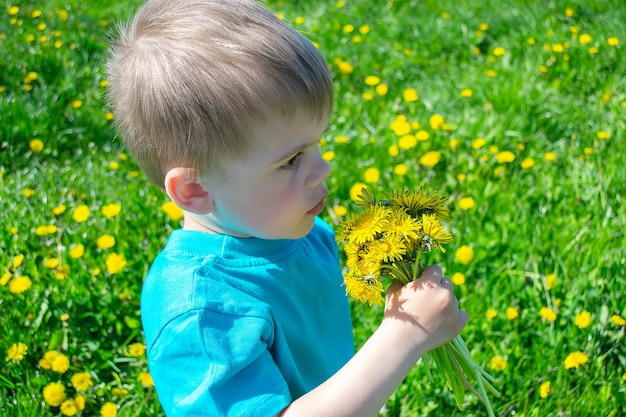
x,y
319,172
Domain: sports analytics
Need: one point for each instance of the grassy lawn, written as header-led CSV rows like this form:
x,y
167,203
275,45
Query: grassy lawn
x,y
513,109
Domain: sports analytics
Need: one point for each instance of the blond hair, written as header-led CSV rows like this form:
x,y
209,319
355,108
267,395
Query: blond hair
x,y
188,79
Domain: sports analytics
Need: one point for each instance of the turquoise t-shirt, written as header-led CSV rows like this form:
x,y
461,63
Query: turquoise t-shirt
x,y
243,326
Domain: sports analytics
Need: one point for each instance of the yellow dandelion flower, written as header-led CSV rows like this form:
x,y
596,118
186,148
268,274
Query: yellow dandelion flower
x,y
69,408
436,121
76,104
54,394
422,135
369,224
466,92
146,379
464,254
410,95
366,289
458,278
328,156
603,135
401,223
400,169
105,241
81,213
512,313
387,249
136,349
371,175
582,319
108,409
35,145
81,381
575,360
527,163
430,159
417,203
51,263
58,210
547,314
16,352
613,41
434,235
111,210
28,192
505,157
345,67
76,250
19,284
372,80
382,89
549,156
617,320
115,262
356,190
466,203
400,126
584,39
5,278
478,143
172,211
498,363
341,210
491,314
13,10
499,51
407,142
544,389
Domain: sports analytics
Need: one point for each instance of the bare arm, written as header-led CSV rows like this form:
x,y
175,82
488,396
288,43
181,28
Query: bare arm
x,y
419,316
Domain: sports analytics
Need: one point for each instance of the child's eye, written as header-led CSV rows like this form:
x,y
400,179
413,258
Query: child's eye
x,y
292,164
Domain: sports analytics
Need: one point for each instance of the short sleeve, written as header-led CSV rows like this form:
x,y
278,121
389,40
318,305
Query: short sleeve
x,y
238,378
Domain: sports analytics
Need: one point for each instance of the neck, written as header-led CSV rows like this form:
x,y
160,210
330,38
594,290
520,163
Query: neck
x,y
207,224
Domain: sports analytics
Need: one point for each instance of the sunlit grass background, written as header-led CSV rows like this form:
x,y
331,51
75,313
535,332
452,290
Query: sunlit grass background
x,y
514,109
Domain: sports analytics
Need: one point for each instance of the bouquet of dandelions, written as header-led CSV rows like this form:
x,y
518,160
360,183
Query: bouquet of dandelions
x,y
388,239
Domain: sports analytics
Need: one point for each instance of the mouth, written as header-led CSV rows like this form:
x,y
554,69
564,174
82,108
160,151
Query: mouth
x,y
319,207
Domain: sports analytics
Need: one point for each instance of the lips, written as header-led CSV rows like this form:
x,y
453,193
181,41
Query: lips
x,y
319,207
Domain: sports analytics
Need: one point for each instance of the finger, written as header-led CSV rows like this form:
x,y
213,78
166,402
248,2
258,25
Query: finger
x,y
463,319
447,283
432,272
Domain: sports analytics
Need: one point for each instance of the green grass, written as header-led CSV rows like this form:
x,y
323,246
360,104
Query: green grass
x,y
563,218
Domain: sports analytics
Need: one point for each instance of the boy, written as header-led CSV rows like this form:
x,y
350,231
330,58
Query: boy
x,y
244,314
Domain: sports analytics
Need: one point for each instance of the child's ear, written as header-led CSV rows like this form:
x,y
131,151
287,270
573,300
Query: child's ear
x,y
187,191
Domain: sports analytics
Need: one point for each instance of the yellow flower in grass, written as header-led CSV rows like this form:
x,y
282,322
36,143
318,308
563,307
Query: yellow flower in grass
x,y
76,250
105,241
81,381
35,145
55,361
430,159
549,156
582,319
136,349
464,254
356,190
528,163
69,408
81,213
115,262
512,313
498,363
584,39
146,379
434,235
109,409
466,203
544,389
613,41
491,314
550,281
458,278
407,142
547,314
410,95
58,210
505,156
19,284
436,121
400,169
172,211
16,352
365,227
575,360
617,320
111,210
371,175
54,394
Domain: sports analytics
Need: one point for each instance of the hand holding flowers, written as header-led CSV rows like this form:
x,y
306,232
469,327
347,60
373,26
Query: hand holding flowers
x,y
388,240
